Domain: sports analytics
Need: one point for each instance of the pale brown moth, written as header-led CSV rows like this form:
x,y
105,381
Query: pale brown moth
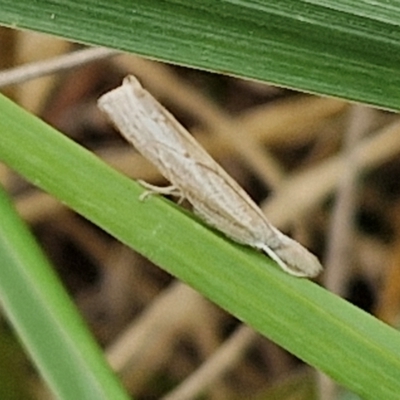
x,y
195,176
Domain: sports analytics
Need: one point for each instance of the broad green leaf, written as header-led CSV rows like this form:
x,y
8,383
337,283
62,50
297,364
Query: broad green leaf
x,y
346,48
351,346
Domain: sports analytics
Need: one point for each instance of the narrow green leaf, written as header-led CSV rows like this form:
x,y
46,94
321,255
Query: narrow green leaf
x,y
46,320
349,345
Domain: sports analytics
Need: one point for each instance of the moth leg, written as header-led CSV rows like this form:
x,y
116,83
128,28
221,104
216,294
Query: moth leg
x,y
170,190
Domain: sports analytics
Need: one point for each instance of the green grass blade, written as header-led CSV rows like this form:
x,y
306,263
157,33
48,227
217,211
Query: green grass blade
x,y
46,320
351,346
347,48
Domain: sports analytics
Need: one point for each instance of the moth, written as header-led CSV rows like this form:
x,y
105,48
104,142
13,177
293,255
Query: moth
x,y
197,177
